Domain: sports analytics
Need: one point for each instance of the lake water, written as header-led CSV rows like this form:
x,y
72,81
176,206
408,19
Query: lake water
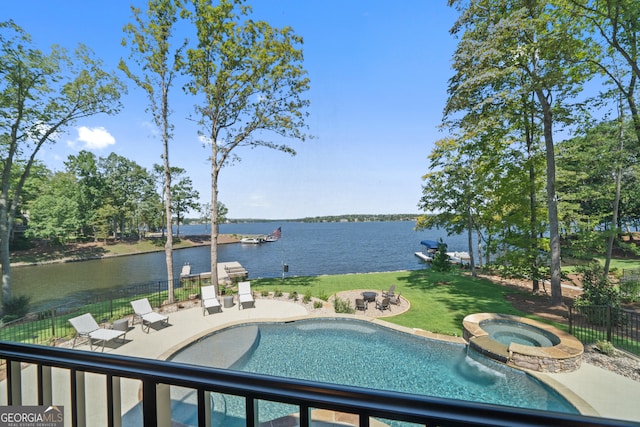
x,y
309,249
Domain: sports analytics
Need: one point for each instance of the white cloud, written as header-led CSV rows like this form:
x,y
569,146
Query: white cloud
x,y
95,138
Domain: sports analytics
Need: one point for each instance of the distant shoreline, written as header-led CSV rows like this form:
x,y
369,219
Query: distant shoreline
x,y
78,252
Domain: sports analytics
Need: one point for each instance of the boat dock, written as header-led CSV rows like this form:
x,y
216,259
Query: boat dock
x,y
228,272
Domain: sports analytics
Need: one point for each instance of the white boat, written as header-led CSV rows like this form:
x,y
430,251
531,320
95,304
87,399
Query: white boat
x,y
424,256
275,236
251,240
459,258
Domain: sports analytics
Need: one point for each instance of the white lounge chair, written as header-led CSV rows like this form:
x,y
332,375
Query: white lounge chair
x,y
87,327
210,302
245,296
144,312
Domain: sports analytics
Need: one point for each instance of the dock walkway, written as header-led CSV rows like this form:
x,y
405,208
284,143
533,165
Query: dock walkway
x,y
228,272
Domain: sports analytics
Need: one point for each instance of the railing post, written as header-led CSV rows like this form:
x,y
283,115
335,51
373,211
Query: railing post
x,y
251,413
156,404
149,404
609,322
305,416
204,408
114,402
53,323
570,319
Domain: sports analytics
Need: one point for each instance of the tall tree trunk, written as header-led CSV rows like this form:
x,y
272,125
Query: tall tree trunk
x,y
168,246
5,259
533,218
472,265
552,200
616,200
479,249
215,169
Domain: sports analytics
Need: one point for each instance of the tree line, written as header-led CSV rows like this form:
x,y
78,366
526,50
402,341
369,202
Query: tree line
x,y
524,74
100,198
246,80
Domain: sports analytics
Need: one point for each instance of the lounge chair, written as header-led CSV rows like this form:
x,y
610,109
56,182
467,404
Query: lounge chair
x,y
147,316
383,305
87,327
361,304
210,302
390,292
245,296
395,300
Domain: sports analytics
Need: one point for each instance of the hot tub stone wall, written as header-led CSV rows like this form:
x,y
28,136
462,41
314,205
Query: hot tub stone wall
x,y
545,364
563,357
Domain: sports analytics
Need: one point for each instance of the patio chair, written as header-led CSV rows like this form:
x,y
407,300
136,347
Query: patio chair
x,y
383,305
390,292
395,300
210,302
87,327
245,296
144,312
361,304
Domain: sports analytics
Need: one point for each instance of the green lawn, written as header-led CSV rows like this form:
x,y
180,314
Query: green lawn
x,y
439,302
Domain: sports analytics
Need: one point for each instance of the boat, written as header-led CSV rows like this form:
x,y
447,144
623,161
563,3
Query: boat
x,y
459,258
424,256
252,240
430,248
274,236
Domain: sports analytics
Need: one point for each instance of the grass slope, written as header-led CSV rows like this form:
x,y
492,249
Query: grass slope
x,y
439,302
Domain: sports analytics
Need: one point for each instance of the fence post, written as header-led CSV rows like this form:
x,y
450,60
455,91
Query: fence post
x,y
53,323
609,326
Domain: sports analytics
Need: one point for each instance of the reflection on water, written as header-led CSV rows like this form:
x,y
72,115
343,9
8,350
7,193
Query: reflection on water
x,y
309,249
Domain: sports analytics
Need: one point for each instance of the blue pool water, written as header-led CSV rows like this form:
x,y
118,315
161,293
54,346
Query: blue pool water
x,y
362,354
508,331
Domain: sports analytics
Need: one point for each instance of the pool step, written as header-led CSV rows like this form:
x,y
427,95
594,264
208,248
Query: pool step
x,y
490,348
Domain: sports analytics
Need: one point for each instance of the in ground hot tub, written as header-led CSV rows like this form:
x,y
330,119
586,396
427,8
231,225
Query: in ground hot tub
x,y
522,342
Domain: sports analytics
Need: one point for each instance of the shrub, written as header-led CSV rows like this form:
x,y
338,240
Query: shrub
x,y
293,295
264,293
630,290
440,261
598,291
605,347
307,297
323,296
343,306
277,293
15,308
317,304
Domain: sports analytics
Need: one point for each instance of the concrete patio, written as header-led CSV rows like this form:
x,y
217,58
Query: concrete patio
x,y
594,391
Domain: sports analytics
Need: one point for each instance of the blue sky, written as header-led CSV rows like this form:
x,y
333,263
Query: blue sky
x,y
378,73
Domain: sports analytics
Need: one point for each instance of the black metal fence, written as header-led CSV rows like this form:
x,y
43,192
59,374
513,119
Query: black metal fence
x,y
594,323
50,326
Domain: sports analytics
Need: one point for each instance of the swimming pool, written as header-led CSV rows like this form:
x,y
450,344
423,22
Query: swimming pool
x,y
364,354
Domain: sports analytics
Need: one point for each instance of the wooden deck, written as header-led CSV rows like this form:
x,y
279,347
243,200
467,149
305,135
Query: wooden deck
x,y
228,272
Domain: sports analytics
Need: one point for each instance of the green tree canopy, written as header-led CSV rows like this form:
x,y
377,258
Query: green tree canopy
x,y
41,95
